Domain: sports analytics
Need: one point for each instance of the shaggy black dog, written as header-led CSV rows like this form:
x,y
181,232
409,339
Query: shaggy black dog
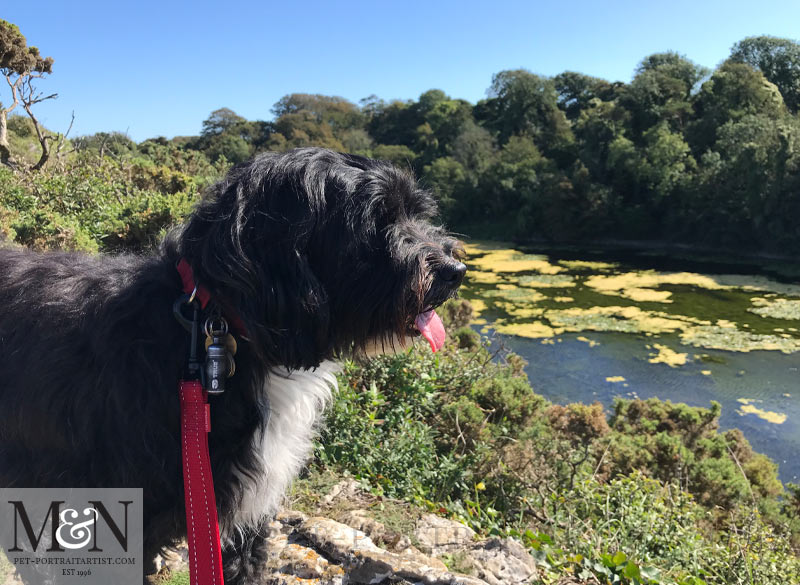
x,y
319,254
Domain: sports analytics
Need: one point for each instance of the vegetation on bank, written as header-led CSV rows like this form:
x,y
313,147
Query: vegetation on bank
x,y
651,492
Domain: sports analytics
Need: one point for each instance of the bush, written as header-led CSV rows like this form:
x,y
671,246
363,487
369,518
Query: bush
x,y
653,489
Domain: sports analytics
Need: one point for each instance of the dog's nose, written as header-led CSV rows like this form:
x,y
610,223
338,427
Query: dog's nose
x,y
452,273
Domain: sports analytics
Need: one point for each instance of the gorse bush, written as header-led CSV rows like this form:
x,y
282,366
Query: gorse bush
x,y
651,488
96,204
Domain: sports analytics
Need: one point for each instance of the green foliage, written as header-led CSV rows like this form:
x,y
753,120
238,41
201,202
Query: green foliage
x,y
16,57
778,59
652,493
678,154
98,205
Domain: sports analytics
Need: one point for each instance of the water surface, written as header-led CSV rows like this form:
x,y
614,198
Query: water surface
x,y
596,325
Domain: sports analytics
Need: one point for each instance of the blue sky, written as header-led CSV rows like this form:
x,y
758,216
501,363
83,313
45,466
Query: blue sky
x,y
159,68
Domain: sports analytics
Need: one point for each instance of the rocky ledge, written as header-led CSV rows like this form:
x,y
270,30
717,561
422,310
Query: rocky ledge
x,y
316,550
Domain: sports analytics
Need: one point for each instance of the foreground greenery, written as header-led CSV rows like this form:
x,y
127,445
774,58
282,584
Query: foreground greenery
x,y
651,492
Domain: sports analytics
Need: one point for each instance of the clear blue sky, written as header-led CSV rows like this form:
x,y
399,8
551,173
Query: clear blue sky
x,y
159,68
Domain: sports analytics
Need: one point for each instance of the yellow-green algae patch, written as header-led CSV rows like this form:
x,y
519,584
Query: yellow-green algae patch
x,y
747,407
667,356
641,286
647,295
615,318
776,308
591,342
705,372
533,330
477,276
516,294
506,260
732,339
478,306
615,379
495,268
546,280
586,265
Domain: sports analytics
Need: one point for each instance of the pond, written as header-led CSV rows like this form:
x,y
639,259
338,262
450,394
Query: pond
x,y
597,325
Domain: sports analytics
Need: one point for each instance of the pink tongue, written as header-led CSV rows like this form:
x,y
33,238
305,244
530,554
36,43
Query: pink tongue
x,y
432,329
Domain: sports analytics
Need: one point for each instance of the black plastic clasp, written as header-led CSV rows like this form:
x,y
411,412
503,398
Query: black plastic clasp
x,y
194,369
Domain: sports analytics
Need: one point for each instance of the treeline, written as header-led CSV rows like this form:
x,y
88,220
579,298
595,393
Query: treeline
x,y
678,154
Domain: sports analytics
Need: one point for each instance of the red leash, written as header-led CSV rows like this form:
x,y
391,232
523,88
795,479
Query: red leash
x,y
202,524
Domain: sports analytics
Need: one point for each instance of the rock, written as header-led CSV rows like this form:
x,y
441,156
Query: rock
x,y
365,563
174,561
304,550
377,566
290,517
334,539
412,552
292,580
305,563
345,489
361,520
437,535
503,561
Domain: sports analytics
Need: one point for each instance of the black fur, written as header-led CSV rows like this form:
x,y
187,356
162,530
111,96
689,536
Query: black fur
x,y
317,252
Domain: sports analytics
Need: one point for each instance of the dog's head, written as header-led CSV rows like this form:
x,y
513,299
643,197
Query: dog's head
x,y
321,252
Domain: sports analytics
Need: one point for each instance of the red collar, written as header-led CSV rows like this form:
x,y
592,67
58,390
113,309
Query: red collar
x,y
189,284
201,293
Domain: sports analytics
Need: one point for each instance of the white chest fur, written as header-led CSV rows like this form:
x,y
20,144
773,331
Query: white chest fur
x,y
296,403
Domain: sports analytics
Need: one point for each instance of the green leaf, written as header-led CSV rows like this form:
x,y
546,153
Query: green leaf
x,y
631,571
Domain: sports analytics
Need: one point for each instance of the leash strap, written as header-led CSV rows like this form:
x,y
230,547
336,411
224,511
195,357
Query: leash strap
x,y
202,525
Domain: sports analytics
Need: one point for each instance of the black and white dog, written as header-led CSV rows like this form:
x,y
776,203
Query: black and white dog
x,y
318,254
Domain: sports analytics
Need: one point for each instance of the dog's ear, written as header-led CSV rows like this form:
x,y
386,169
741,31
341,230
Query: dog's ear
x,y
247,242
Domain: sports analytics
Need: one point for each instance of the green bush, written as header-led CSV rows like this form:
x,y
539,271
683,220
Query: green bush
x,y
651,489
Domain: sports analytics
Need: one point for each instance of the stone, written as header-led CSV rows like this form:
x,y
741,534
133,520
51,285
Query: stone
x,y
366,564
437,535
503,561
303,562
175,560
334,539
361,520
345,489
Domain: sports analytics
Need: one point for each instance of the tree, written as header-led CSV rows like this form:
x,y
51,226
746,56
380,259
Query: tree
x,y
778,59
394,123
339,113
302,128
576,90
20,64
440,122
524,104
519,104
734,91
661,91
220,121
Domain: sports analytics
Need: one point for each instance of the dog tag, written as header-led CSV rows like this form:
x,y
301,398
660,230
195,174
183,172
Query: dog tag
x,y
217,366
228,340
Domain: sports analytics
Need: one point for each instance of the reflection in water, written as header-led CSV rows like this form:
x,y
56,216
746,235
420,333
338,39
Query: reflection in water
x,y
698,336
